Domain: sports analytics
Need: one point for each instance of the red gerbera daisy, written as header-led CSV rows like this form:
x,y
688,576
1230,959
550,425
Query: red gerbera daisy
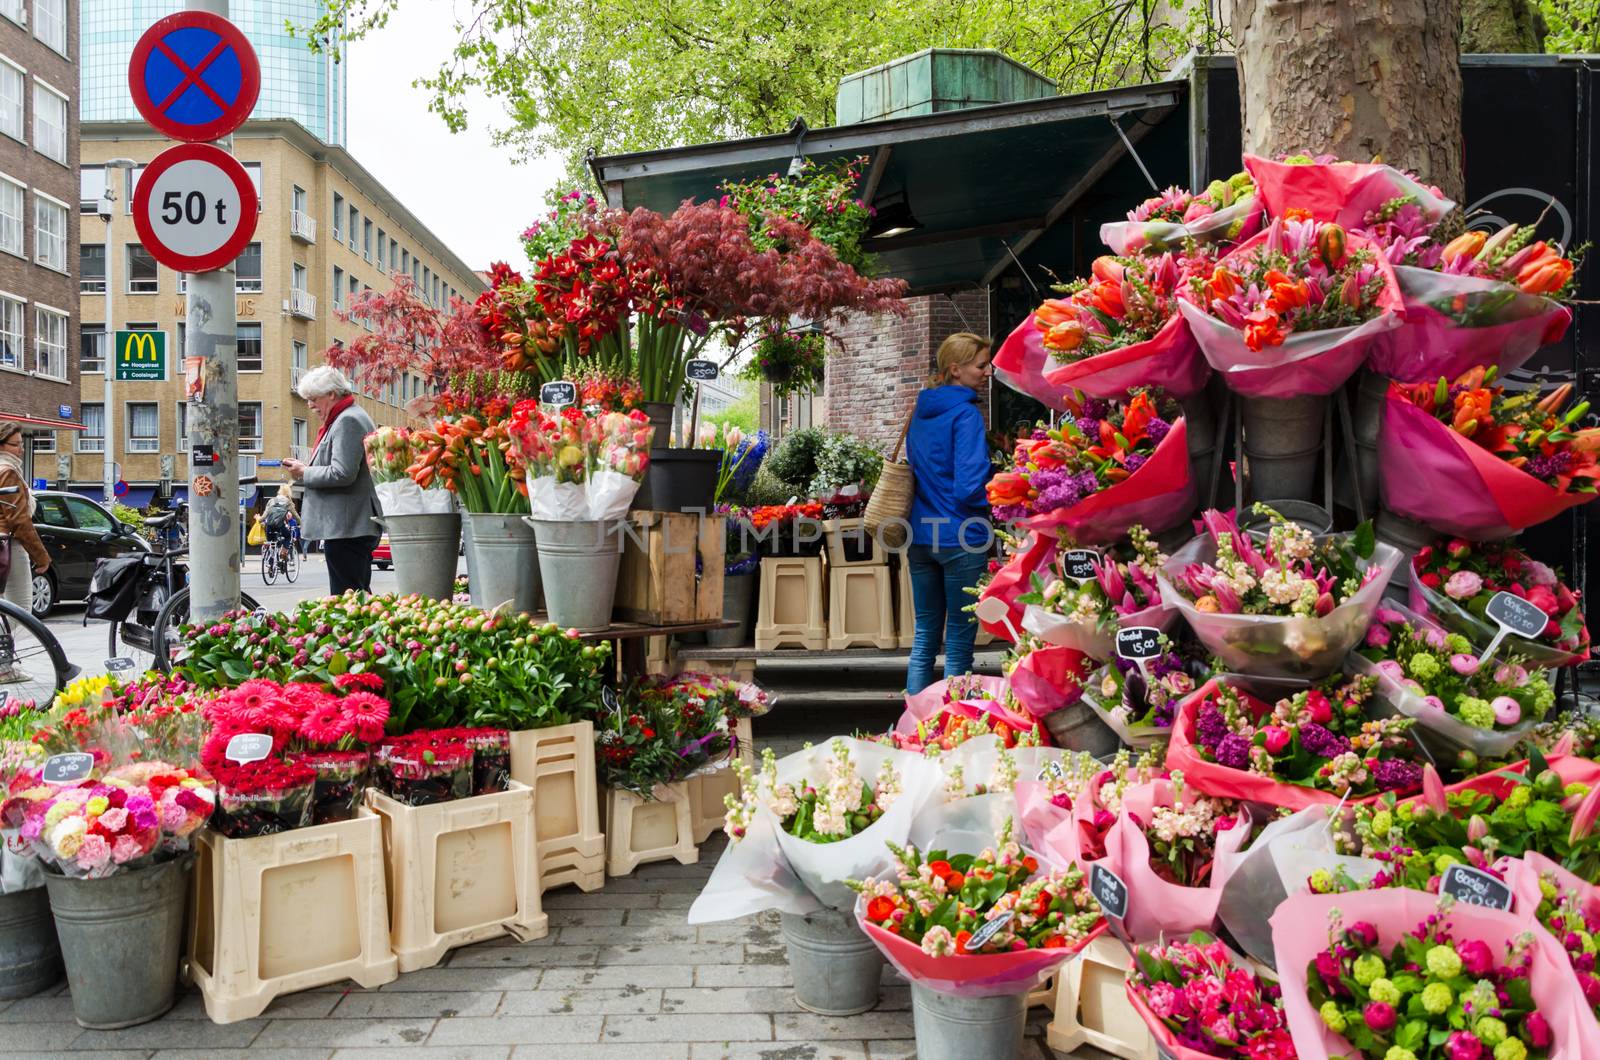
x,y
255,693
326,725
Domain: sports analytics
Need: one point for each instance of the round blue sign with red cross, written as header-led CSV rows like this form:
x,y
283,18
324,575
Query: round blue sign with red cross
x,y
194,76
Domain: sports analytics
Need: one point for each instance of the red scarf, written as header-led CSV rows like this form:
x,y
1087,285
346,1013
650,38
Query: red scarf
x,y
333,414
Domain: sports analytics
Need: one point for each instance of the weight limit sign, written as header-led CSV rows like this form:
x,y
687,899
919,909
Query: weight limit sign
x,y
195,208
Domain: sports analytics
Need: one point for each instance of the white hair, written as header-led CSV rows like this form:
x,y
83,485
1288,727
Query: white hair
x,y
324,381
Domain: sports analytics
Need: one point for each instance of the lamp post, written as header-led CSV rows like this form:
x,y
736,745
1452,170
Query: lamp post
x,y
107,211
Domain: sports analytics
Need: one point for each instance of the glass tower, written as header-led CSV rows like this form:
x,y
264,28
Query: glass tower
x,y
295,82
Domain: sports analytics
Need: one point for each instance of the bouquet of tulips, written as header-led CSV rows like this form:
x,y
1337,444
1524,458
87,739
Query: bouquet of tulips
x,y
470,452
1225,212
581,467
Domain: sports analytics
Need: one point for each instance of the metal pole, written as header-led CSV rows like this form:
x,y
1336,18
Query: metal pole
x,y
108,470
214,551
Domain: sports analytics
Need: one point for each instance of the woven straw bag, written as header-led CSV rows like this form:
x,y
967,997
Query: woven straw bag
x,y
890,503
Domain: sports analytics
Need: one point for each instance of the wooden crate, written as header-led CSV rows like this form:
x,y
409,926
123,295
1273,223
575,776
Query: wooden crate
x,y
658,583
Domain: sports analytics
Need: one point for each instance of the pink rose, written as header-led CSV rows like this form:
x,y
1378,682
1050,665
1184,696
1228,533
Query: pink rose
x,y
1476,957
1536,573
1437,639
1464,664
1377,636
1390,669
1538,1029
1321,709
1364,933
1388,616
1433,703
1463,585
1276,738
1507,711
1380,1017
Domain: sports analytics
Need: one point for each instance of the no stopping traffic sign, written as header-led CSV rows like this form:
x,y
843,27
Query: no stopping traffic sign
x,y
194,76
195,208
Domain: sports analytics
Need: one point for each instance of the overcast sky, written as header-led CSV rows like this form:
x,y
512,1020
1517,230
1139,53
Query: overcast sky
x,y
466,190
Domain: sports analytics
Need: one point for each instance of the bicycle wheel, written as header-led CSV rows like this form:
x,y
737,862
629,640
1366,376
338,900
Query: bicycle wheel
x,y
131,640
167,639
269,565
291,563
32,664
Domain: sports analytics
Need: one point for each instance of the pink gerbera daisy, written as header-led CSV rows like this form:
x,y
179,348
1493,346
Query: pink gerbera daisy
x,y
369,731
255,694
365,707
326,725
366,680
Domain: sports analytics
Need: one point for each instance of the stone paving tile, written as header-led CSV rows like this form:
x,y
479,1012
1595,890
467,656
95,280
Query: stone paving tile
x,y
625,1000
522,956
428,1052
657,975
601,1051
243,1054
723,1027
565,918
730,999
908,1050
609,898
610,936
7,1050
676,918
37,1009
389,1033
305,1005
689,885
743,975
759,935
457,980
809,1027
418,1005
176,1034
680,902
33,1038
516,1030
671,953
781,1051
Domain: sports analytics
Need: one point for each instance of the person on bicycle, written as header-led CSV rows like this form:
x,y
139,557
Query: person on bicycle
x,y
280,518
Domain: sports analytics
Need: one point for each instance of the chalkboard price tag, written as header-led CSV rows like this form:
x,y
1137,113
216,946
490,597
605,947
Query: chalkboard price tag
x,y
609,698
1109,890
1138,643
120,664
68,768
248,747
560,393
701,370
5,698
1079,564
981,937
1051,769
1475,887
1515,615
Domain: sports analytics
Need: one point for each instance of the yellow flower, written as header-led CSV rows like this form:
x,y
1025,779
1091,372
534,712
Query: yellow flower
x,y
97,805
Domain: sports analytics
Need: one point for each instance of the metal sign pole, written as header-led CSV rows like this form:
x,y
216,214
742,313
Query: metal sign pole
x,y
108,363
212,336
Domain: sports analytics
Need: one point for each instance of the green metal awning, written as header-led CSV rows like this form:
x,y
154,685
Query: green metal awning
x,y
985,183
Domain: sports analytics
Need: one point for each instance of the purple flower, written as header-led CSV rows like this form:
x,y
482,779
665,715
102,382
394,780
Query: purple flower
x,y
1096,408
1321,742
1089,426
1393,774
1233,751
1549,466
1210,728
1157,428
1134,462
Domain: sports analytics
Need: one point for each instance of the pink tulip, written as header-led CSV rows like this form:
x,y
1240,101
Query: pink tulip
x,y
1583,819
1565,744
1477,828
1433,790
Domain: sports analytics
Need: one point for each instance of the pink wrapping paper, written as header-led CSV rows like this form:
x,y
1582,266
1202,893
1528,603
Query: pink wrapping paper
x,y
1307,362
1431,474
1037,815
1342,192
1299,932
1140,237
1428,344
1168,359
1159,496
1048,679
1074,839
972,974
1016,579
1523,875
925,705
1155,906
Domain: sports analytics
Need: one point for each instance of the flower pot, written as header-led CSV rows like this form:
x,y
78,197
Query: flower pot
x,y
502,565
959,1028
578,562
30,956
341,781
1078,727
738,596
425,549
679,480
1366,417
121,937
835,967
1407,535
660,413
1282,443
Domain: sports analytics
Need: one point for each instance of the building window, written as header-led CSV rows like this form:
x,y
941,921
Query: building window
x,y
355,225
91,268
11,227
13,9
13,92
50,342
144,427
49,232
44,444
298,353
247,270
93,437
253,170
338,287
132,181
249,426
50,23
355,288
183,426
141,271
11,315
91,185
382,240
338,216
300,438
405,261
249,340
49,122
91,348
366,239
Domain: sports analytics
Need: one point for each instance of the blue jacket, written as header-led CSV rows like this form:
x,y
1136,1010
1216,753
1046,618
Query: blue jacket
x,y
949,456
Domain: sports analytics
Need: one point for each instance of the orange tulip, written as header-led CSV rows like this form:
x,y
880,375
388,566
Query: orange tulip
x,y
1223,283
1008,487
1054,311
1065,336
1107,269
1287,294
1544,276
1297,213
1465,245
1262,329
1107,297
1472,411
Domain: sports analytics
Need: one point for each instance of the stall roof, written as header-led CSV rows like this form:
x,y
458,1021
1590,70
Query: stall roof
x,y
984,183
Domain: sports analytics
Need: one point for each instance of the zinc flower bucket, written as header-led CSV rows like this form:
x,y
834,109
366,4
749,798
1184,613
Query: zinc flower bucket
x,y
502,565
30,956
836,968
949,1027
425,548
578,563
1282,443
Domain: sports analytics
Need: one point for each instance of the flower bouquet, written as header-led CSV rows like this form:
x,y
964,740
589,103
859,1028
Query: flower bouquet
x,y
786,530
1453,581
469,450
1199,1001
600,391
1346,193
930,918
1481,461
390,453
1045,680
1108,466
1404,975
997,608
491,759
1140,705
425,767
1291,312
1085,614
580,467
956,709
1108,336
1290,606
1225,212
1568,909
341,779
1422,672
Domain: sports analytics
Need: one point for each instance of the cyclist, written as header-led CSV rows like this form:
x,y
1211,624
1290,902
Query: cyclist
x,y
281,521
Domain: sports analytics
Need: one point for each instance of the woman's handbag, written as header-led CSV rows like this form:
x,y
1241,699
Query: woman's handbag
x,y
887,510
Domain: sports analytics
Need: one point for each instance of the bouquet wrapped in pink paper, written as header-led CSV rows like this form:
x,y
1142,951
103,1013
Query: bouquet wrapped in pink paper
x,y
956,709
1567,908
1345,193
998,610
1201,1001
1048,679
1088,800
1068,610
1227,211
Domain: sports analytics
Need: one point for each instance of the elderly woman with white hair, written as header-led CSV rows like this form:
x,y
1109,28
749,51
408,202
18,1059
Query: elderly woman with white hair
x,y
340,500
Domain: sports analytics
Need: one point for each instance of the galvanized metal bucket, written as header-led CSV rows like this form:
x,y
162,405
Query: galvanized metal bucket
x,y
578,562
738,593
962,1028
121,937
502,563
1282,443
1077,727
1410,538
30,956
425,549
836,968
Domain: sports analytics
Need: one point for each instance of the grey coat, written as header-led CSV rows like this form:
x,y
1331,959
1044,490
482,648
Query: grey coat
x,y
340,500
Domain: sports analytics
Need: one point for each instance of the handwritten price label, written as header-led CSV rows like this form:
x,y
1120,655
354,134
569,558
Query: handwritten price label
x,y
68,768
1109,890
1515,615
981,937
1475,887
560,392
248,747
1079,564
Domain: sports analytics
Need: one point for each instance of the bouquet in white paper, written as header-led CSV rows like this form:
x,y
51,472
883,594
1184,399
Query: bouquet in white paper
x,y
580,466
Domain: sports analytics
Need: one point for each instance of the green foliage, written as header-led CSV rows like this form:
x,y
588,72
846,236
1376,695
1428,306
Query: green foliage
x,y
844,460
768,488
134,518
795,458
745,413
1571,26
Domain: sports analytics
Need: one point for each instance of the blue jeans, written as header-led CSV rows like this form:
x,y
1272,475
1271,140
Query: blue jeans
x,y
940,579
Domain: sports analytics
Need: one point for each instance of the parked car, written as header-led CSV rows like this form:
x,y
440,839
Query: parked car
x,y
77,532
382,556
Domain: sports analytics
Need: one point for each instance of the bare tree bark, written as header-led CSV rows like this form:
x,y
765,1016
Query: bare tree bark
x,y
1501,26
1356,78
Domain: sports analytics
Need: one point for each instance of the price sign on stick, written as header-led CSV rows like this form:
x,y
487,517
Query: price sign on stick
x,y
1078,564
1512,614
1112,894
1139,644
701,370
988,931
120,664
1475,887
992,609
559,393
68,768
248,747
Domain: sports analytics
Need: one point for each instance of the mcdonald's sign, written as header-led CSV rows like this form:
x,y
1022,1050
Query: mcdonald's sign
x,y
141,355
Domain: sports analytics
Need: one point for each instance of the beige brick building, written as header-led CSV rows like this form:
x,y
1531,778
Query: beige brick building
x,y
327,230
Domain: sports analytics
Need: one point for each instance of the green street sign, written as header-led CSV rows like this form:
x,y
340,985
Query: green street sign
x,y
141,355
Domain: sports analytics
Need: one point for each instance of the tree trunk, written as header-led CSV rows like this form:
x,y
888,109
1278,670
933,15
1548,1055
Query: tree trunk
x,y
1501,26
1360,79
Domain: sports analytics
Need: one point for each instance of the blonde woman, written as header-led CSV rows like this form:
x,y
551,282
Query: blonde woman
x,y
950,533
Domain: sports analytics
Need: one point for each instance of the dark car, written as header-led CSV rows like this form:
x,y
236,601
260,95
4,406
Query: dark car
x,y
77,532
